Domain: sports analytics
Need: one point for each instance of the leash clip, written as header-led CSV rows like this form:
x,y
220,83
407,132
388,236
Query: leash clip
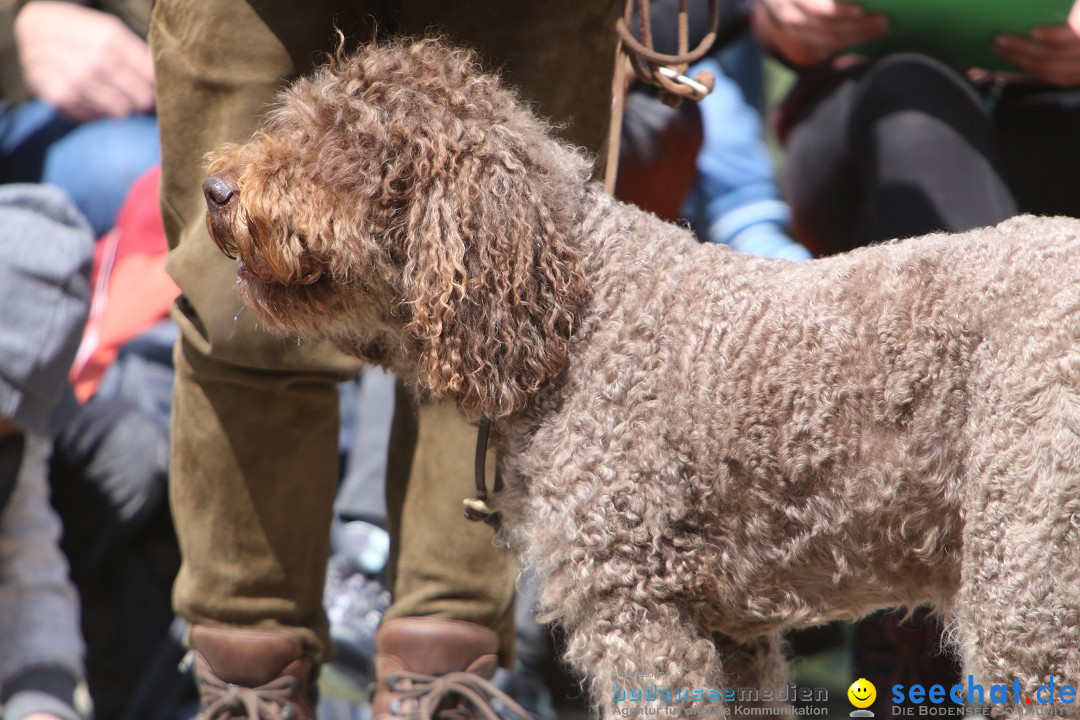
x,y
696,89
478,509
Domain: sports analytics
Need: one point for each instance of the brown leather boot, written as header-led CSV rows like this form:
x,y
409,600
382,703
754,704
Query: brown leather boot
x,y
431,667
250,674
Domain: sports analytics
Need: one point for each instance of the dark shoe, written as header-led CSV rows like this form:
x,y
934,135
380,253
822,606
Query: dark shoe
x,y
250,674
435,668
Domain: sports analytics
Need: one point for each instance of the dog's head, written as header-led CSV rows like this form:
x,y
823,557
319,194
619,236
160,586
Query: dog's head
x,y
406,205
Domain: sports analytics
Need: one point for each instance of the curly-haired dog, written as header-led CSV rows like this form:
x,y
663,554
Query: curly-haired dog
x,y
701,448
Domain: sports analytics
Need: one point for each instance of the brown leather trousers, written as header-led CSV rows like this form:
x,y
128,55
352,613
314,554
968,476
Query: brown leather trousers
x,y
254,463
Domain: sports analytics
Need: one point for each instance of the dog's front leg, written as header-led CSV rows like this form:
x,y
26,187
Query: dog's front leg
x,y
624,569
637,659
755,671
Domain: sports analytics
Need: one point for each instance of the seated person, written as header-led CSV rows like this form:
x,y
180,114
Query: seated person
x,y
44,278
906,144
78,112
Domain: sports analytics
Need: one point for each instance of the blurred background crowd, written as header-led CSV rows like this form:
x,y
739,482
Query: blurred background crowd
x,y
814,141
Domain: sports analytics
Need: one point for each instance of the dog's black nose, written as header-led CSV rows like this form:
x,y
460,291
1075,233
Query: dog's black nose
x,y
219,188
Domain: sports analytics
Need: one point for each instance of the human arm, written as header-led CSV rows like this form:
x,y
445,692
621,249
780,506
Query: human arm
x,y
808,32
84,62
736,200
1050,54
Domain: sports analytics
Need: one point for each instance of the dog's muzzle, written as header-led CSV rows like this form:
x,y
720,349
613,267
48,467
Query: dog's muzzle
x,y
219,189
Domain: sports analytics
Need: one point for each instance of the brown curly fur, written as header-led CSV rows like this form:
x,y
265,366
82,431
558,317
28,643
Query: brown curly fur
x,y
701,448
487,249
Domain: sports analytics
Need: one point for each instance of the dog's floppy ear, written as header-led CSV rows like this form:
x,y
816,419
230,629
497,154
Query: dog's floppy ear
x,y
494,284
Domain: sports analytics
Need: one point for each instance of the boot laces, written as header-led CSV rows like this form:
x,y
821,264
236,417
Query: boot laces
x,y
225,701
429,692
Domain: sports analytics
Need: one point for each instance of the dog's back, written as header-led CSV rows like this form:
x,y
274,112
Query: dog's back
x,y
776,445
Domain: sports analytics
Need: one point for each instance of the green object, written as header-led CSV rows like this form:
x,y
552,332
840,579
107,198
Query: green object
x,y
959,32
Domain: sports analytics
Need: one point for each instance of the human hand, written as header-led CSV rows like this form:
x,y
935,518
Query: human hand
x,y
42,716
1050,54
807,32
85,63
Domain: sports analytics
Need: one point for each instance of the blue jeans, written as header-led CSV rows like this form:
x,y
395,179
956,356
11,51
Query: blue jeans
x,y
94,162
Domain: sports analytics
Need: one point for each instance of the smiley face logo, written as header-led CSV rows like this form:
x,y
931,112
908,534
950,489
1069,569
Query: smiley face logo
x,y
862,693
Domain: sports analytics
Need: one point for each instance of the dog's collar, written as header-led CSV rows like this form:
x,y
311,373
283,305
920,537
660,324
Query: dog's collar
x,y
477,508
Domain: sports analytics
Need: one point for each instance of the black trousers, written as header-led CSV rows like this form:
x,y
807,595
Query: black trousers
x,y
908,146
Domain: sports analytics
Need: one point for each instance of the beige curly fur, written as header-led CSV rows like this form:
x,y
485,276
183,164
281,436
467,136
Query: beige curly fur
x,y
701,448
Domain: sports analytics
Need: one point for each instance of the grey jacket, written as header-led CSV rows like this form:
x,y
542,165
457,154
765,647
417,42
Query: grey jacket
x,y
45,256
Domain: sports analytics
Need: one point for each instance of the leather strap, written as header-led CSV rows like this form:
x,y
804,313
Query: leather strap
x,y
478,509
655,68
